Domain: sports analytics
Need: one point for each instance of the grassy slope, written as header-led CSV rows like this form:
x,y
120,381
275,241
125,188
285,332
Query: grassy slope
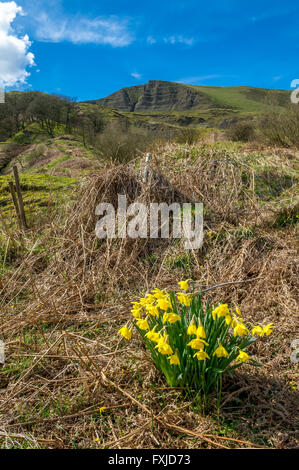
x,y
245,99
50,168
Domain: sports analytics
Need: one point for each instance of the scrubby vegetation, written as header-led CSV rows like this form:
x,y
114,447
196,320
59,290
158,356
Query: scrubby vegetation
x,y
281,128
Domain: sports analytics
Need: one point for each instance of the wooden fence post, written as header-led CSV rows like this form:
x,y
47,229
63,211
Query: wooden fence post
x,y
147,167
20,198
15,203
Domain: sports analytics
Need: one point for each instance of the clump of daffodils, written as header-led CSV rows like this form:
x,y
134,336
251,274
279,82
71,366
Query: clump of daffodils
x,y
193,345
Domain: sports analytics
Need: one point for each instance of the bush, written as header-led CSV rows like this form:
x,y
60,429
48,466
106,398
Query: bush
x,y
118,145
187,136
35,153
192,344
281,128
241,132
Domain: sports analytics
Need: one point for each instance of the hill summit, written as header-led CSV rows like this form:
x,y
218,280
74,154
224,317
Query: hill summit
x,y
161,96
156,95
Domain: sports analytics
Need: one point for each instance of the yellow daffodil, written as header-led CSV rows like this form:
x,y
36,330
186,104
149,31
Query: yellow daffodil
x,y
243,356
184,299
257,331
136,312
239,313
220,311
171,317
163,346
142,324
143,301
158,294
125,332
150,298
240,330
152,310
197,343
201,355
191,330
174,359
184,285
152,335
228,319
267,330
220,351
200,332
164,304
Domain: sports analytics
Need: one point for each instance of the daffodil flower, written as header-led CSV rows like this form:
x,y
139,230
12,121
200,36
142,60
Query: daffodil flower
x,y
174,359
143,301
164,304
239,313
152,310
184,285
201,355
159,294
142,324
171,317
243,356
240,330
220,351
200,332
152,335
197,343
191,330
163,347
136,312
267,330
220,311
257,331
184,299
125,332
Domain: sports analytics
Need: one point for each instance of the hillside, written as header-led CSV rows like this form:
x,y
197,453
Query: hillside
x,y
158,95
183,105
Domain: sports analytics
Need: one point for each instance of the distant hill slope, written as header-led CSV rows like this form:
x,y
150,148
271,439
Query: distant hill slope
x,y
161,96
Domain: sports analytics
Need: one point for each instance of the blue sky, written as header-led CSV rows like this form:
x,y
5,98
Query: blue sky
x,y
88,49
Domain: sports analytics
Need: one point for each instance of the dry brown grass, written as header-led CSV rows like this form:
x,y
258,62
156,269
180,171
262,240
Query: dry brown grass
x,y
71,292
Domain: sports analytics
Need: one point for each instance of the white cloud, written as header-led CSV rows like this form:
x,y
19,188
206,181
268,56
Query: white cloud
x,y
196,80
110,30
14,55
136,75
151,40
179,40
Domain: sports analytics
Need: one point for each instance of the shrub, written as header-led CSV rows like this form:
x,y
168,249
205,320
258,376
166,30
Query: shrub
x,y
119,145
281,128
36,153
187,136
241,132
192,344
